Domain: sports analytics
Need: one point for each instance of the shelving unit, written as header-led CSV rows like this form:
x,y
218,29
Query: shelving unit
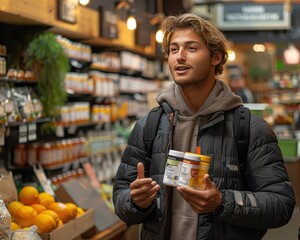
x,y
101,152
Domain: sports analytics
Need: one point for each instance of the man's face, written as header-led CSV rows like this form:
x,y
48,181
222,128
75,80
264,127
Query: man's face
x,y
189,59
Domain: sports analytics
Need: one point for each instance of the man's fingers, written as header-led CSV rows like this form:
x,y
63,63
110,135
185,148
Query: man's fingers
x,y
144,193
140,183
145,202
141,171
207,182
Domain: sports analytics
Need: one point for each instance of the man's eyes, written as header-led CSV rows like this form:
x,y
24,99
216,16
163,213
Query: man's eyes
x,y
191,49
173,50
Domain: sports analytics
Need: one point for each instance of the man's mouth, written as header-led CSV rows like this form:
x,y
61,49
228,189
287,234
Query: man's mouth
x,y
181,69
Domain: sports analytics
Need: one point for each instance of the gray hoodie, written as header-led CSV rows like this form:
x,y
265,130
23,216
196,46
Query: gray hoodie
x,y
184,219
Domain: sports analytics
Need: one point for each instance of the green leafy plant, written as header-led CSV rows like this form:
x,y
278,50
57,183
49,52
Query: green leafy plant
x,y
47,57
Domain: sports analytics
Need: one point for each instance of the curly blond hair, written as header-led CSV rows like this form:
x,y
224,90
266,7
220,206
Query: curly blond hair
x,y
212,36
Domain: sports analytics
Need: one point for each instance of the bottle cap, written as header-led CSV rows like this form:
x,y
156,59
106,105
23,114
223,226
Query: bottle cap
x,y
205,158
176,153
192,156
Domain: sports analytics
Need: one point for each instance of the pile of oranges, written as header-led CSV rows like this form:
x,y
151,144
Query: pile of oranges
x,y
40,209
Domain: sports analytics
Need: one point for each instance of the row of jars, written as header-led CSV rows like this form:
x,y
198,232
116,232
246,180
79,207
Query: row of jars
x,y
66,176
50,153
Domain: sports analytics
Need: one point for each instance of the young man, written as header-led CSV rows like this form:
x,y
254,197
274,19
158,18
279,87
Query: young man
x,y
203,116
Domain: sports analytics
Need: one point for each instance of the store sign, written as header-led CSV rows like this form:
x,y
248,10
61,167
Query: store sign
x,y
251,16
66,10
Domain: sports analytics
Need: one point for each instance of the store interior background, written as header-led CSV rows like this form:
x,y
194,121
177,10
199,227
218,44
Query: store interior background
x,y
260,53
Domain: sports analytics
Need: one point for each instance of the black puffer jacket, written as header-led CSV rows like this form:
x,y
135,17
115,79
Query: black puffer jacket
x,y
245,213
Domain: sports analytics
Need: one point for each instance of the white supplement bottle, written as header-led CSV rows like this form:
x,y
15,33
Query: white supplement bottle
x,y
173,166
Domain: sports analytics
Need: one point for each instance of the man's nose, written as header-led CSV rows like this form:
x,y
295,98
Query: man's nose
x,y
181,56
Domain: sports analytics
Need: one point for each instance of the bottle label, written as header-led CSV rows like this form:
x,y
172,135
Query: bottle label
x,y
203,169
172,171
188,173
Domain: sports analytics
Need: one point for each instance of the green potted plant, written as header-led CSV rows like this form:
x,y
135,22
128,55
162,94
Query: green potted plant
x,y
47,57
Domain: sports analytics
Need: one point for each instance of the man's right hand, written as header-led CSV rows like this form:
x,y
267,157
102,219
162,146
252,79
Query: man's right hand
x,y
143,190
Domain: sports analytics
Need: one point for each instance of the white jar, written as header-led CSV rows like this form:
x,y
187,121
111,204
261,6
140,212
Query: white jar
x,y
173,167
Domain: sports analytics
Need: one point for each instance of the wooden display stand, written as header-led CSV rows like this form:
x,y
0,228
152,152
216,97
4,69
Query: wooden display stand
x,y
72,229
115,232
118,231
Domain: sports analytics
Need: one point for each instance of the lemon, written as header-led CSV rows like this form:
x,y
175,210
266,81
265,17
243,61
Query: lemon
x,y
25,216
13,207
28,195
46,199
45,223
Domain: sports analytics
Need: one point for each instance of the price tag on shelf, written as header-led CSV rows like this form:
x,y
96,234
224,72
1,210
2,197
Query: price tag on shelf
x,y
72,129
59,131
23,134
44,181
90,172
31,132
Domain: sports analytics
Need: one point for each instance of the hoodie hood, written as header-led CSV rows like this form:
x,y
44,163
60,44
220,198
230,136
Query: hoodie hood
x,y
221,98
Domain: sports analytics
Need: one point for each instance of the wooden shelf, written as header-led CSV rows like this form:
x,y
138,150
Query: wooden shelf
x,y
111,233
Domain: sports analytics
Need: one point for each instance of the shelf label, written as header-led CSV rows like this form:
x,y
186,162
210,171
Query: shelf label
x,y
23,134
90,172
44,181
32,132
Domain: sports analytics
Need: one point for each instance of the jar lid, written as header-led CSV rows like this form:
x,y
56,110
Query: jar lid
x,y
192,156
176,153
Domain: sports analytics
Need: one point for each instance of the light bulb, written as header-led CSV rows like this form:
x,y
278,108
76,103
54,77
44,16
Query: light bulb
x,y
259,48
131,23
231,55
84,2
159,36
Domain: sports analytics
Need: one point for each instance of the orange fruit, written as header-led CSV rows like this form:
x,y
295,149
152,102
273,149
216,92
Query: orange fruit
x,y
73,209
38,207
45,223
53,214
14,226
80,211
13,207
25,216
64,213
60,223
28,195
46,199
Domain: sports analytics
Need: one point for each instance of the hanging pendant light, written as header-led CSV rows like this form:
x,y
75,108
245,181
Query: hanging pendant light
x,y
131,23
159,36
84,2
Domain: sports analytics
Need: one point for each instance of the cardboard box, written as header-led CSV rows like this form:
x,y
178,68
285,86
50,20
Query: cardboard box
x,y
72,229
83,194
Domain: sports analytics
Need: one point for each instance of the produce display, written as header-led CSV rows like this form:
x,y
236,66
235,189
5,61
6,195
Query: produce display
x,y
41,210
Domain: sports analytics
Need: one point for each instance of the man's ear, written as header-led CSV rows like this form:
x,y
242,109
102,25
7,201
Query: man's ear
x,y
217,58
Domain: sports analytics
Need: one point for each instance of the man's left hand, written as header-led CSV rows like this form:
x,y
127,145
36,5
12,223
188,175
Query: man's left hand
x,y
202,201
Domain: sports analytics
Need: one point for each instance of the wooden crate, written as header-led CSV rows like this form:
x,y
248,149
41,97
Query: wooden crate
x,y
72,229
